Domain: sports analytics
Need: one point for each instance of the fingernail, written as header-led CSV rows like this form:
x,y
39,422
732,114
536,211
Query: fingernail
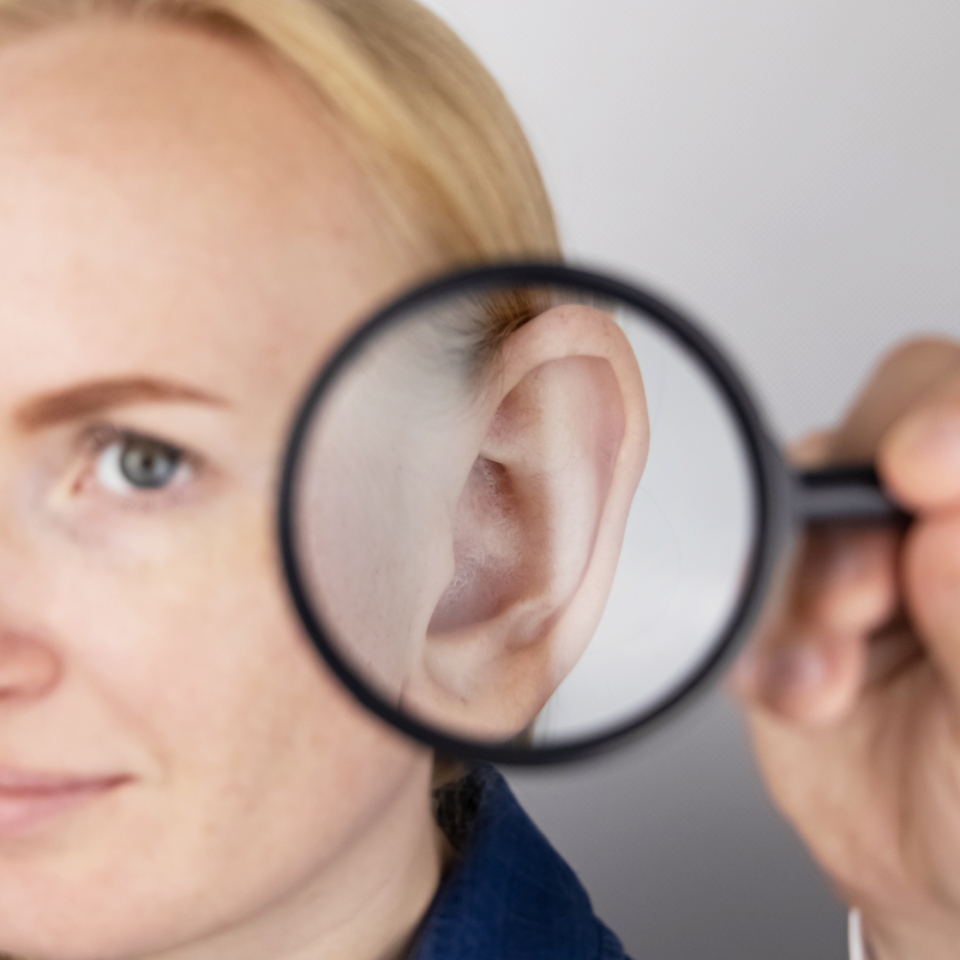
x,y
745,674
799,667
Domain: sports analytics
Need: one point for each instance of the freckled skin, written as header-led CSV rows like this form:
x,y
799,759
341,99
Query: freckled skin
x,y
170,207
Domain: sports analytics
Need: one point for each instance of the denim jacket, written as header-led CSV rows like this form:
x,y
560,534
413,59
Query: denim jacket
x,y
510,896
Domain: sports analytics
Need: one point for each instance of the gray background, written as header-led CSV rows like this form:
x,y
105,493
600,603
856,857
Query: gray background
x,y
790,170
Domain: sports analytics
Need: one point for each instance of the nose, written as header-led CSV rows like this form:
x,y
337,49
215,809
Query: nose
x,y
30,665
29,668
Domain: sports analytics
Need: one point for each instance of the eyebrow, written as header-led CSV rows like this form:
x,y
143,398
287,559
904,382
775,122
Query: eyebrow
x,y
87,399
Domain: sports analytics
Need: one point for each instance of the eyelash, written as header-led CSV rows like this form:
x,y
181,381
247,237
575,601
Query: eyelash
x,y
99,438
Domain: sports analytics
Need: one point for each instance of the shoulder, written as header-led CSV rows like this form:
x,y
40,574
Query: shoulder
x,y
511,896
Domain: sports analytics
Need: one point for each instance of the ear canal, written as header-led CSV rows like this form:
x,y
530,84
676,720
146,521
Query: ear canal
x,y
487,550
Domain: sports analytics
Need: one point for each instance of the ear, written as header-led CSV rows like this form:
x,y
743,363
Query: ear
x,y
538,526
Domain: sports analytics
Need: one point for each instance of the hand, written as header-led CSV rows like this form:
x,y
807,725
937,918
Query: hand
x,y
853,683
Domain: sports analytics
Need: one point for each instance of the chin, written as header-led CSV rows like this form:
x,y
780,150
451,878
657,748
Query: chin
x,y
96,890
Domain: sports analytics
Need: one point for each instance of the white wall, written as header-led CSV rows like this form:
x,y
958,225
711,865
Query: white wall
x,y
790,170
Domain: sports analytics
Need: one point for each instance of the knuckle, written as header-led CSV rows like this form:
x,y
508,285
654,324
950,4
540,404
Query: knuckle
x,y
909,373
849,580
921,354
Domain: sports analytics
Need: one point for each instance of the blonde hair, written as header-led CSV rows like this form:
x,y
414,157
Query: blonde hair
x,y
418,110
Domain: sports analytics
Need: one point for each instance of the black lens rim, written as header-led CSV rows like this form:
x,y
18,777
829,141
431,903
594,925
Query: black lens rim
x,y
766,464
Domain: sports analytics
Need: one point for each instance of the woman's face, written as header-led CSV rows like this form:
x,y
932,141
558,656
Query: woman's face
x,y
182,240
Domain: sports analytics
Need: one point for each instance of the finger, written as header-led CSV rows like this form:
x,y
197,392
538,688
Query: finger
x,y
809,676
811,450
847,580
919,458
911,373
893,650
932,587
837,633
810,661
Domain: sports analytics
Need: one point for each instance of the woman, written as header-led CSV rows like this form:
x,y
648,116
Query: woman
x,y
198,198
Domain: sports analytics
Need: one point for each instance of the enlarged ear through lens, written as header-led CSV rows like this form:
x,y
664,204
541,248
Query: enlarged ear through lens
x,y
538,525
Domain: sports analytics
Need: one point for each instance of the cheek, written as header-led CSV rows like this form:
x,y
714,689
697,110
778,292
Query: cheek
x,y
256,769
209,662
378,484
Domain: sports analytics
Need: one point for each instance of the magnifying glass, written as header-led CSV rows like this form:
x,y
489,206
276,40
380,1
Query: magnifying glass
x,y
444,584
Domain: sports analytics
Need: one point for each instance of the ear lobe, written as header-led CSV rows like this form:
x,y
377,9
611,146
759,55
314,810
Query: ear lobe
x,y
538,526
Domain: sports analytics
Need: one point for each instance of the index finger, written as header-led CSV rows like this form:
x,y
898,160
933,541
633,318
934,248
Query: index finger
x,y
907,420
902,385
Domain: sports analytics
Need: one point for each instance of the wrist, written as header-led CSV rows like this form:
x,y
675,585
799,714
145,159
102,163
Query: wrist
x,y
882,940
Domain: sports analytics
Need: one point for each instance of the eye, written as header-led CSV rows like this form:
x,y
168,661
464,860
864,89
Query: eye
x,y
133,463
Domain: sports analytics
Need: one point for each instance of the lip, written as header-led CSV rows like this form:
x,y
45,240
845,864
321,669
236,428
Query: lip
x,y
30,798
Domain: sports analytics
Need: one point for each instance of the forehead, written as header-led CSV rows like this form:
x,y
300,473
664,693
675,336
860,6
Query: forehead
x,y
170,201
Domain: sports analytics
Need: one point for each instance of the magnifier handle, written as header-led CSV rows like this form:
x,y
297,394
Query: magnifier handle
x,y
845,494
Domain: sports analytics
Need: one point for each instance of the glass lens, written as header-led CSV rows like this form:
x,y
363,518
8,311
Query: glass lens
x,y
520,515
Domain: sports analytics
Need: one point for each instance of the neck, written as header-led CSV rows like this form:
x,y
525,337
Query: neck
x,y
366,905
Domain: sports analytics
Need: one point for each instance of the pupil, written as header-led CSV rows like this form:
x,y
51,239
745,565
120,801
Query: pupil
x,y
148,464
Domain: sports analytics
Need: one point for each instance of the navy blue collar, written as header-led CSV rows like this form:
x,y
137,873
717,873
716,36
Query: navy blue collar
x,y
510,896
